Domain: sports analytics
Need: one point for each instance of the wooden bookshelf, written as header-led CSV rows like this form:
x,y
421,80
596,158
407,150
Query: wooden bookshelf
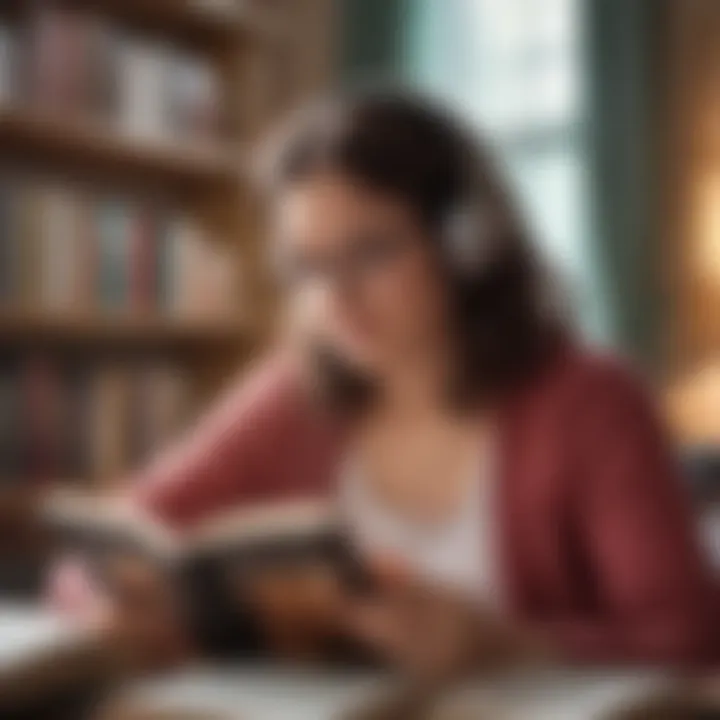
x,y
83,144
188,20
191,19
140,330
261,71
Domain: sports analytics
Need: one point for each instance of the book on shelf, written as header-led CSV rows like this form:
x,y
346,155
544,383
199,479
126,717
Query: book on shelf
x,y
83,422
11,414
111,423
69,251
113,228
60,252
158,406
9,247
43,419
67,60
141,81
9,61
78,64
200,278
195,98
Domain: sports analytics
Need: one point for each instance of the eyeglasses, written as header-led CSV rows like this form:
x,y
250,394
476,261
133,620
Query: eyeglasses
x,y
362,259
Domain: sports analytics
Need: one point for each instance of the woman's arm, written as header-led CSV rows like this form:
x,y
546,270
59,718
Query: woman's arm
x,y
229,457
635,525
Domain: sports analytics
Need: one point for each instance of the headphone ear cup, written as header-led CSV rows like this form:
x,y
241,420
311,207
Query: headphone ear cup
x,y
469,232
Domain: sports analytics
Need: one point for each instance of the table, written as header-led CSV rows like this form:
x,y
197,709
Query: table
x,y
273,694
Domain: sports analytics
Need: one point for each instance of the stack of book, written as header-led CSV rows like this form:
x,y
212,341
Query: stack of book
x,y
61,60
64,249
64,420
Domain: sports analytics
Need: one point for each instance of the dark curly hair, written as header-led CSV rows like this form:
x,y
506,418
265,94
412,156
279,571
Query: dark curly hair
x,y
413,149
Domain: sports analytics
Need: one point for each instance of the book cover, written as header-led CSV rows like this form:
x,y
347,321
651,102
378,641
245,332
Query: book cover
x,y
211,566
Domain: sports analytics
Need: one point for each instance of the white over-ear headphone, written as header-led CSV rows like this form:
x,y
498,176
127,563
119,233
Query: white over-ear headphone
x,y
469,231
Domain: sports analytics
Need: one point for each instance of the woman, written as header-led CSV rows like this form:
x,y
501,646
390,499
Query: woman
x,y
476,447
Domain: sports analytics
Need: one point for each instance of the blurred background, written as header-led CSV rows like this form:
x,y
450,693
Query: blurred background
x,y
132,278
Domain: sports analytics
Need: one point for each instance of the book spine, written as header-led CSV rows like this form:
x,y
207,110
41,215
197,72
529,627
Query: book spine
x,y
40,441
8,65
166,271
194,93
142,79
86,254
8,240
113,234
76,422
166,405
29,233
11,403
55,40
59,243
109,423
143,259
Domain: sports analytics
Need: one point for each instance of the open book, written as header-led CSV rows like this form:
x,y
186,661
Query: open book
x,y
208,564
284,530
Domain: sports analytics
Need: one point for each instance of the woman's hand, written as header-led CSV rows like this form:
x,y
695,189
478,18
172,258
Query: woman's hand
x,y
143,613
434,634
300,609
136,612
426,631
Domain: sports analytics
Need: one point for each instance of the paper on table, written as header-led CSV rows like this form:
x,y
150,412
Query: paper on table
x,y
255,694
28,629
270,694
553,695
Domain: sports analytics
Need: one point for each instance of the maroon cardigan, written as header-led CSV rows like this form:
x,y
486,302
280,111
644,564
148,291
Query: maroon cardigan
x,y
596,539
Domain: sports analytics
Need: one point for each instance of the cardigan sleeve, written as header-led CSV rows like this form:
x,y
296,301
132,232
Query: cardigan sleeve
x,y
227,458
223,459
636,529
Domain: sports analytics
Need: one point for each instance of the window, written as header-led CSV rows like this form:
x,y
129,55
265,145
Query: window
x,y
516,67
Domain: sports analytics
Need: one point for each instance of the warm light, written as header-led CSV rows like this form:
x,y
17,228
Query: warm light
x,y
706,253
694,405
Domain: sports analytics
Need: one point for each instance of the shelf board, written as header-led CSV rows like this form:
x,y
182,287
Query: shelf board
x,y
75,143
26,327
180,15
214,27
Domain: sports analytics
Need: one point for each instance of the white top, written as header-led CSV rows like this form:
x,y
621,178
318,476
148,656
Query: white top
x,y
459,553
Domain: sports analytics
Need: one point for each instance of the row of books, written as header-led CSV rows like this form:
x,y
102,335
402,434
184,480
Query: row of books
x,y
68,249
62,60
62,421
